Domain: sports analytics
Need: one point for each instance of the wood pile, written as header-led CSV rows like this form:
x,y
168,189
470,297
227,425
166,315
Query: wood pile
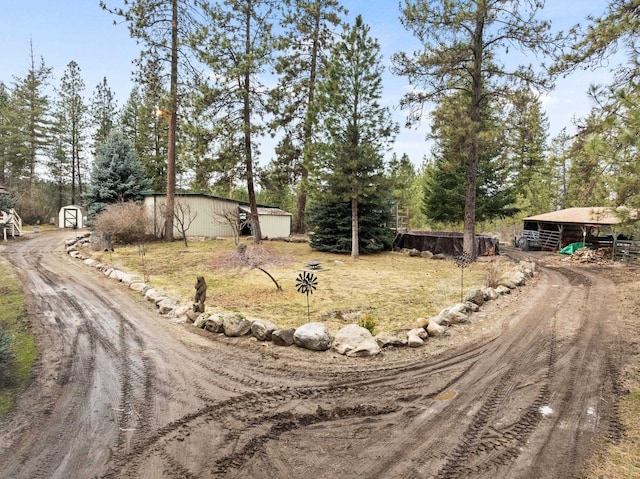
x,y
586,255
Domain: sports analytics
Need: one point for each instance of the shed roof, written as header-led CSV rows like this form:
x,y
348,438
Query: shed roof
x,y
594,215
207,195
265,211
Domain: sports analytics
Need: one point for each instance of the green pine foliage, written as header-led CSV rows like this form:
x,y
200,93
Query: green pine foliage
x,y
330,224
116,176
355,131
6,355
445,176
7,202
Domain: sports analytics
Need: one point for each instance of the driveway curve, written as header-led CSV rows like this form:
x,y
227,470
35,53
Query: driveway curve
x,y
119,392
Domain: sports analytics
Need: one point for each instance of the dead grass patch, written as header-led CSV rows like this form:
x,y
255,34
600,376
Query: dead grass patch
x,y
622,459
392,288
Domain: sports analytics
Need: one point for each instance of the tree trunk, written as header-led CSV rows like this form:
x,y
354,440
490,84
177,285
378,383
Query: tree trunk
x,y
469,234
355,239
173,106
255,220
300,224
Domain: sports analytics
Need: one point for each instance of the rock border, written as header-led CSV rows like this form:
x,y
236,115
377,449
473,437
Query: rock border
x,y
351,340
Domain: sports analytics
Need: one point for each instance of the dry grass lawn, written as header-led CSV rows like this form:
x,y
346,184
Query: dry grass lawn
x,y
393,288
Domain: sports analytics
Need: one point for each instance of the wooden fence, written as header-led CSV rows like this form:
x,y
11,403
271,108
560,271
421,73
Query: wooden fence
x,y
626,251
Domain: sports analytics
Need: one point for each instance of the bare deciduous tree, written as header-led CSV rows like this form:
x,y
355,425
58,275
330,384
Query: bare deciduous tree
x,y
230,218
254,256
183,219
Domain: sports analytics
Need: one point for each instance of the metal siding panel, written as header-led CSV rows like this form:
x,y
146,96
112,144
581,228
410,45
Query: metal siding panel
x,y
275,226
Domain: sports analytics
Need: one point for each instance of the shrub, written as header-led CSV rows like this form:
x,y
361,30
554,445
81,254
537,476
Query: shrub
x,y
5,348
369,322
126,222
493,274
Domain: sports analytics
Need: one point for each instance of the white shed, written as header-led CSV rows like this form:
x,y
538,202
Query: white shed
x,y
211,215
72,216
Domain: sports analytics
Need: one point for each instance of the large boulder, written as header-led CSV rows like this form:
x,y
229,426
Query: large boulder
x,y
354,341
283,337
490,293
313,336
440,319
201,320
472,307
263,329
475,296
508,283
414,341
167,306
139,287
154,295
518,278
435,330
236,325
419,332
455,314
387,340
422,322
214,324
503,289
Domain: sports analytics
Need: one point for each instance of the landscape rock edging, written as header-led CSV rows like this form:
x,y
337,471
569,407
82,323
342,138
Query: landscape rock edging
x,y
351,340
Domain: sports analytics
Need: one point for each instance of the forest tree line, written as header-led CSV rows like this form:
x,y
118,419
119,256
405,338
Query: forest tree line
x,y
230,73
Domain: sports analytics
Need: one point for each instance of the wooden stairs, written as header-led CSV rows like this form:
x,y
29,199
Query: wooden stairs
x,y
10,224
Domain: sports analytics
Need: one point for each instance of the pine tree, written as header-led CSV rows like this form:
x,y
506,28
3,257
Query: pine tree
x,y
104,112
526,136
305,43
445,186
70,126
148,132
163,28
401,175
4,131
237,44
355,128
116,175
330,221
28,127
462,42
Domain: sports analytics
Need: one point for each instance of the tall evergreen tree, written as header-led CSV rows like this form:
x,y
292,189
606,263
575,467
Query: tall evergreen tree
x,y
237,44
104,112
70,126
148,132
355,129
116,176
402,176
526,134
445,188
5,95
163,28
29,125
596,41
462,42
306,41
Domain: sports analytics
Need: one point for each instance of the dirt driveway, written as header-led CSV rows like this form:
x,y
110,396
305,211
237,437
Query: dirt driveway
x,y
524,392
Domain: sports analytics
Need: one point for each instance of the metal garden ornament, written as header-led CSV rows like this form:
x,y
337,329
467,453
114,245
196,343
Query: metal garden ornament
x,y
306,283
462,261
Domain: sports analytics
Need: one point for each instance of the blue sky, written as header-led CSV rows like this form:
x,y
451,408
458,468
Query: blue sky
x,y
66,30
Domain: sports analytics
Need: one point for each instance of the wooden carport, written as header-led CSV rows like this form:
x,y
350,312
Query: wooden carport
x,y
592,225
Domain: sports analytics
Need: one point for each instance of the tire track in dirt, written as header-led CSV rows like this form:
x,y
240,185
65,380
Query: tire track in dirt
x,y
195,405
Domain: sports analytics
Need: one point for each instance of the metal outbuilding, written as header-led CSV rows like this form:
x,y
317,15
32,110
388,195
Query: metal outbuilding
x,y
212,213
72,216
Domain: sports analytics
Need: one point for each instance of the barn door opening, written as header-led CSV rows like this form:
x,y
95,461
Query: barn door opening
x,y
71,218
